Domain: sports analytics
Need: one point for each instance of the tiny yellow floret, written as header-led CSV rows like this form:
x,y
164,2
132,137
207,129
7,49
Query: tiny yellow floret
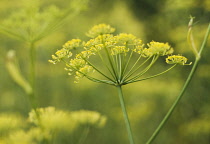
x,y
176,59
99,30
119,50
74,43
157,48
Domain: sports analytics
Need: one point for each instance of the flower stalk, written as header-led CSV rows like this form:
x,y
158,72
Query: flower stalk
x,y
189,78
125,115
32,98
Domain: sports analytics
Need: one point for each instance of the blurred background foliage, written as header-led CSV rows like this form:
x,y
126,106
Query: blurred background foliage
x,y
147,101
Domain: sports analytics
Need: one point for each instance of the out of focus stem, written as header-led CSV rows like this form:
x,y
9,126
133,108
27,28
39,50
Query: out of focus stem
x,y
190,38
170,111
32,75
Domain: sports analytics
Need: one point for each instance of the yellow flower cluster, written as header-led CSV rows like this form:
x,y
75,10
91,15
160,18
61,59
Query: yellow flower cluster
x,y
48,124
85,54
77,63
118,44
72,44
119,50
100,42
124,39
65,52
83,71
52,120
32,136
108,46
99,30
157,48
57,120
89,117
9,122
79,66
176,59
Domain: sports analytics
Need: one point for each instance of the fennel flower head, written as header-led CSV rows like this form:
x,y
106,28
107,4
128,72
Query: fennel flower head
x,y
53,120
10,122
32,136
113,59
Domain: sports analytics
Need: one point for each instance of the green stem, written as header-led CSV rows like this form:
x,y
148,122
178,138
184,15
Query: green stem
x,y
143,71
99,81
120,67
112,74
131,71
84,135
204,42
110,60
127,123
126,65
11,33
32,75
97,70
115,59
150,76
156,132
89,77
190,38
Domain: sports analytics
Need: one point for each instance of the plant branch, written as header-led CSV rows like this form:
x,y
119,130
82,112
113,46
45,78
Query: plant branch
x,y
97,69
130,73
143,71
32,75
156,132
150,76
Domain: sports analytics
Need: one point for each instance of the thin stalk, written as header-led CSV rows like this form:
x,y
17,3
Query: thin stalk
x,y
84,135
130,73
143,71
122,58
123,66
204,41
190,38
99,81
97,70
32,64
120,66
116,64
52,27
89,77
110,60
128,61
124,62
136,63
11,33
31,96
106,65
156,132
127,123
32,75
151,76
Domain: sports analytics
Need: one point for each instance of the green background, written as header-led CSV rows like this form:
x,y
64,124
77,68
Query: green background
x,y
147,101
